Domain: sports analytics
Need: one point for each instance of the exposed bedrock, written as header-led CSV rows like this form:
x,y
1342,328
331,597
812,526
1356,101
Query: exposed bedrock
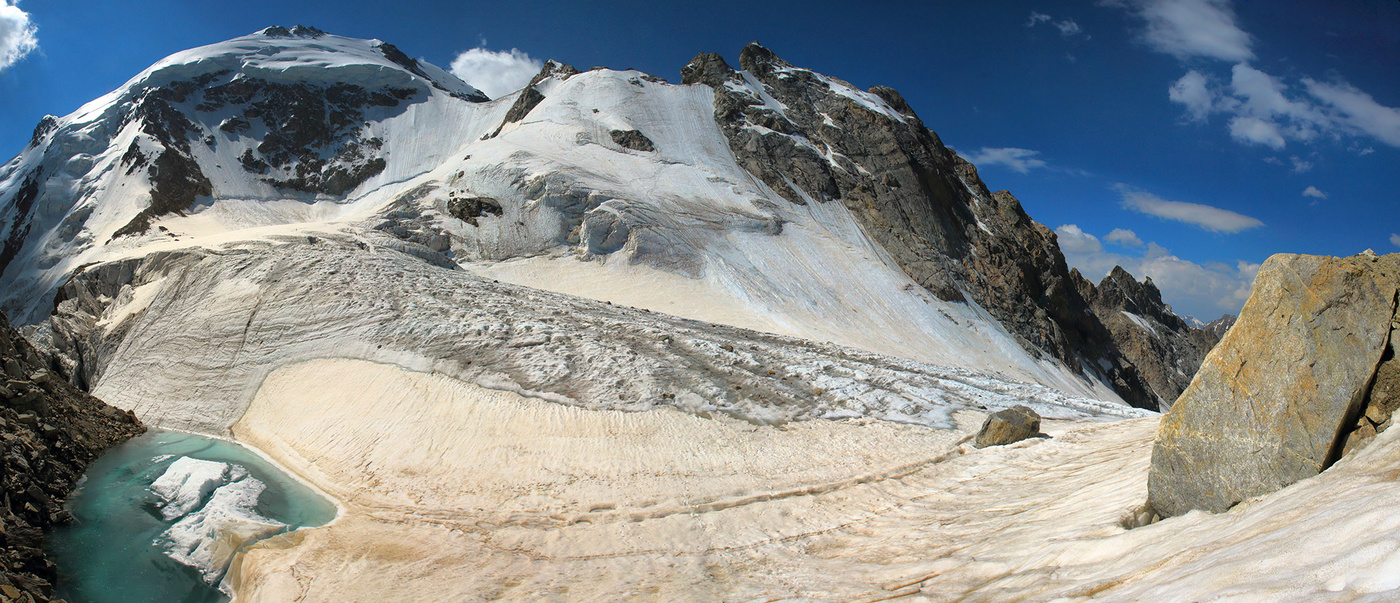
x,y
1308,367
50,432
817,139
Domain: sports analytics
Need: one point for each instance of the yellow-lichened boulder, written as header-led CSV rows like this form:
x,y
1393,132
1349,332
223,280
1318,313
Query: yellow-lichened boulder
x,y
1274,401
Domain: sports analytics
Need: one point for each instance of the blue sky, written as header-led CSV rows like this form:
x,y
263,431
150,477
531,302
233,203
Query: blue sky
x,y
1185,139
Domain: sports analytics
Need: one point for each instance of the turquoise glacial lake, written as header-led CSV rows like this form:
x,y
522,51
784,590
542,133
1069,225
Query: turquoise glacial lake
x,y
116,549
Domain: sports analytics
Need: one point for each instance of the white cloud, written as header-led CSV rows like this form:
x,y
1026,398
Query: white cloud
x,y
1068,27
1074,240
1358,110
1256,131
496,73
1124,237
1300,165
17,34
1189,29
1209,218
1019,160
1395,239
1196,289
1191,91
1312,191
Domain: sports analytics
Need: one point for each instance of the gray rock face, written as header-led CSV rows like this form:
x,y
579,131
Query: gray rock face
x,y
1276,400
825,141
1165,350
1220,325
1008,426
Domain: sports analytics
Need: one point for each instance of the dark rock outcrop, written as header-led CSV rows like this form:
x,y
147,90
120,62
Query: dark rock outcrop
x,y
812,138
632,139
1165,350
1008,426
1309,365
51,431
530,96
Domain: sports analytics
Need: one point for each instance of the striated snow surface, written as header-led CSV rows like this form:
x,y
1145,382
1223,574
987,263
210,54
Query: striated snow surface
x,y
455,492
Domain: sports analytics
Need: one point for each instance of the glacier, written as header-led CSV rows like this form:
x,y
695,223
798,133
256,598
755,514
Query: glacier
x,y
531,361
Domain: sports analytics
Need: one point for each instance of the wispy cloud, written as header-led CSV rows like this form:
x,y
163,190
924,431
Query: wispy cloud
x,y
496,73
1358,110
1395,239
1207,290
1188,29
1209,218
1068,27
17,34
1018,160
1301,165
1312,191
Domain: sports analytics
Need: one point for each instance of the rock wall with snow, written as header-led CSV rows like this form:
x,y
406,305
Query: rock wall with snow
x,y
771,198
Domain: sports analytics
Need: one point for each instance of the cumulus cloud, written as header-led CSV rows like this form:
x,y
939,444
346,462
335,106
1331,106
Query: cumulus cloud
x,y
1263,109
1300,165
1189,29
1395,239
1074,240
1209,289
1209,218
1191,91
1257,131
1312,191
17,34
495,73
1124,237
1019,160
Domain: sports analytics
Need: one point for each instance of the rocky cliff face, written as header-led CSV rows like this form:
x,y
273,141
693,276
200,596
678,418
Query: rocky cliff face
x,y
816,139
51,431
1165,350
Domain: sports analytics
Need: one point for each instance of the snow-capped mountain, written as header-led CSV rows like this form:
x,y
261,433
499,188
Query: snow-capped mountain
x,y
770,198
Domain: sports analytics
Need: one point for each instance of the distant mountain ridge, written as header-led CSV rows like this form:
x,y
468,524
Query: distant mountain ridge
x,y
817,209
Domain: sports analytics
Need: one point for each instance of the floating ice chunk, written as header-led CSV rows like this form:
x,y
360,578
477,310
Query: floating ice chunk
x,y
208,534
187,483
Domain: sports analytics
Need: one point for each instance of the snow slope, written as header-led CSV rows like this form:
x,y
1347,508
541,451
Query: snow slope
x,y
580,214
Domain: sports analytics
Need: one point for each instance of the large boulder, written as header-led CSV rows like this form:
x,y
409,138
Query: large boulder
x,y
1008,426
1274,402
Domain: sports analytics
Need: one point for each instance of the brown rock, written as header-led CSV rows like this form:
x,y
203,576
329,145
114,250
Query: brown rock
x,y
1007,426
1274,401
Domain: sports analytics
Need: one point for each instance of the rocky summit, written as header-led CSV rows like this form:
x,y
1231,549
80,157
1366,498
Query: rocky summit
x,y
51,431
1292,381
